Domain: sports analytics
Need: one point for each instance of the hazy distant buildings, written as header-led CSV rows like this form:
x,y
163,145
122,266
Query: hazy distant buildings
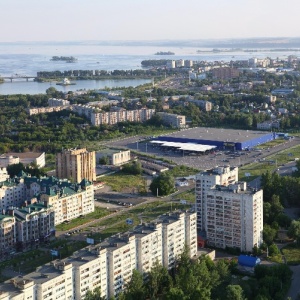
x,y
172,120
225,73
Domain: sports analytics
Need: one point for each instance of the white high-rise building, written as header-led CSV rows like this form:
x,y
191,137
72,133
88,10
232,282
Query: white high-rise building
x,y
224,175
230,214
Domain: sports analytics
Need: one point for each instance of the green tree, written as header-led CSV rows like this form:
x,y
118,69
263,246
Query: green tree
x,y
135,289
94,295
234,292
159,281
294,230
269,234
163,185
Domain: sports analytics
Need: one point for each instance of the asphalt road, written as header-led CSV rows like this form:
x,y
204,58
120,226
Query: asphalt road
x,y
294,290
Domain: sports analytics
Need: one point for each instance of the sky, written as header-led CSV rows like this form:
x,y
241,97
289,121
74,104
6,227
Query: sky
x,y
86,20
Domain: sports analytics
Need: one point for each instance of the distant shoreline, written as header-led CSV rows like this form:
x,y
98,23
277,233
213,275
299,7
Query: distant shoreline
x,y
216,50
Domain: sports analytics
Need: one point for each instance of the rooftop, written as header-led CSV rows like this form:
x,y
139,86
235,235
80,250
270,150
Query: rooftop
x,y
216,134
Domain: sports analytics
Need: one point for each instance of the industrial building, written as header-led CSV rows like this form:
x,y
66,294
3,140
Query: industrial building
x,y
221,138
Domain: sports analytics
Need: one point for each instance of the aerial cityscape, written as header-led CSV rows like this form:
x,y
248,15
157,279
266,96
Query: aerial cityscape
x,y
149,150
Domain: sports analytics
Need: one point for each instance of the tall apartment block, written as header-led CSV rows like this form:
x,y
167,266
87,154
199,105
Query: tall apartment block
x,y
109,265
223,175
76,164
7,234
230,214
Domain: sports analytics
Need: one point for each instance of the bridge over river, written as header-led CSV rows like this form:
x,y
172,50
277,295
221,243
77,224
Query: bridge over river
x,y
17,76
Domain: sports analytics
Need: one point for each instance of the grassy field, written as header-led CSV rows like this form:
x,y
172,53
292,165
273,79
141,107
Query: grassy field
x,y
144,213
189,196
270,163
98,213
292,254
120,182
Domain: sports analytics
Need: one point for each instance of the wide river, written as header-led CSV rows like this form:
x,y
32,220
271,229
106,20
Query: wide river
x,y
30,58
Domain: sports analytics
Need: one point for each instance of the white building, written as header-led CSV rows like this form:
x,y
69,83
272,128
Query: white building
x,y
109,265
89,270
58,102
25,158
116,157
228,213
234,217
3,174
148,246
224,175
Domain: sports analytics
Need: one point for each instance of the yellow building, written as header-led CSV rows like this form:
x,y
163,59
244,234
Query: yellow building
x,y
76,165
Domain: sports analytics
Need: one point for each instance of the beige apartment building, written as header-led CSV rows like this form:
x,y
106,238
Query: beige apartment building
x,y
70,201
173,120
7,234
76,165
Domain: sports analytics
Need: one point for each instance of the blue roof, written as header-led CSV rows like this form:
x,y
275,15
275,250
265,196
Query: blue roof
x,y
248,261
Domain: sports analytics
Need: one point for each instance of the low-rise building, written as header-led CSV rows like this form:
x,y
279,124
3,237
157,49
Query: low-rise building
x,y
3,174
26,158
116,157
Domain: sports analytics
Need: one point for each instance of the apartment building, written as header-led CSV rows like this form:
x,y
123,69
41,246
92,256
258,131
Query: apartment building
x,y
113,117
3,174
205,105
53,281
173,120
7,234
12,192
223,175
58,102
268,125
69,201
148,246
109,265
76,165
176,234
89,270
225,73
34,224
17,289
234,217
44,110
121,261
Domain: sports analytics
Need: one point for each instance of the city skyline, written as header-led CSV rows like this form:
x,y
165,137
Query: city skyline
x,y
63,20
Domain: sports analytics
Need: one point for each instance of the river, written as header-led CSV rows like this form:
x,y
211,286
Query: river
x,y
32,87
30,58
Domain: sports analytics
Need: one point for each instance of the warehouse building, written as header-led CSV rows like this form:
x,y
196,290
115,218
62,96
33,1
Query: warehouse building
x,y
219,137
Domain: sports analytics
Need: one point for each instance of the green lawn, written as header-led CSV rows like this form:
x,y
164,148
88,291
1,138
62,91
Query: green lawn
x,y
98,213
189,196
120,181
280,158
292,254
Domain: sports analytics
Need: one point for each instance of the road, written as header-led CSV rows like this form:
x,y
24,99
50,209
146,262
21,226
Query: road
x,y
294,290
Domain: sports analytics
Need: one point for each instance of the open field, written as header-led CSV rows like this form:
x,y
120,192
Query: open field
x,y
189,196
98,213
120,182
270,163
142,213
292,254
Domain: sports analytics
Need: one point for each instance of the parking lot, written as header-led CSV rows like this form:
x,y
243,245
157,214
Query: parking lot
x,y
203,162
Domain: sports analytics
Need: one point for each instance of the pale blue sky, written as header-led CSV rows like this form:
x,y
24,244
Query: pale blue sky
x,y
71,20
